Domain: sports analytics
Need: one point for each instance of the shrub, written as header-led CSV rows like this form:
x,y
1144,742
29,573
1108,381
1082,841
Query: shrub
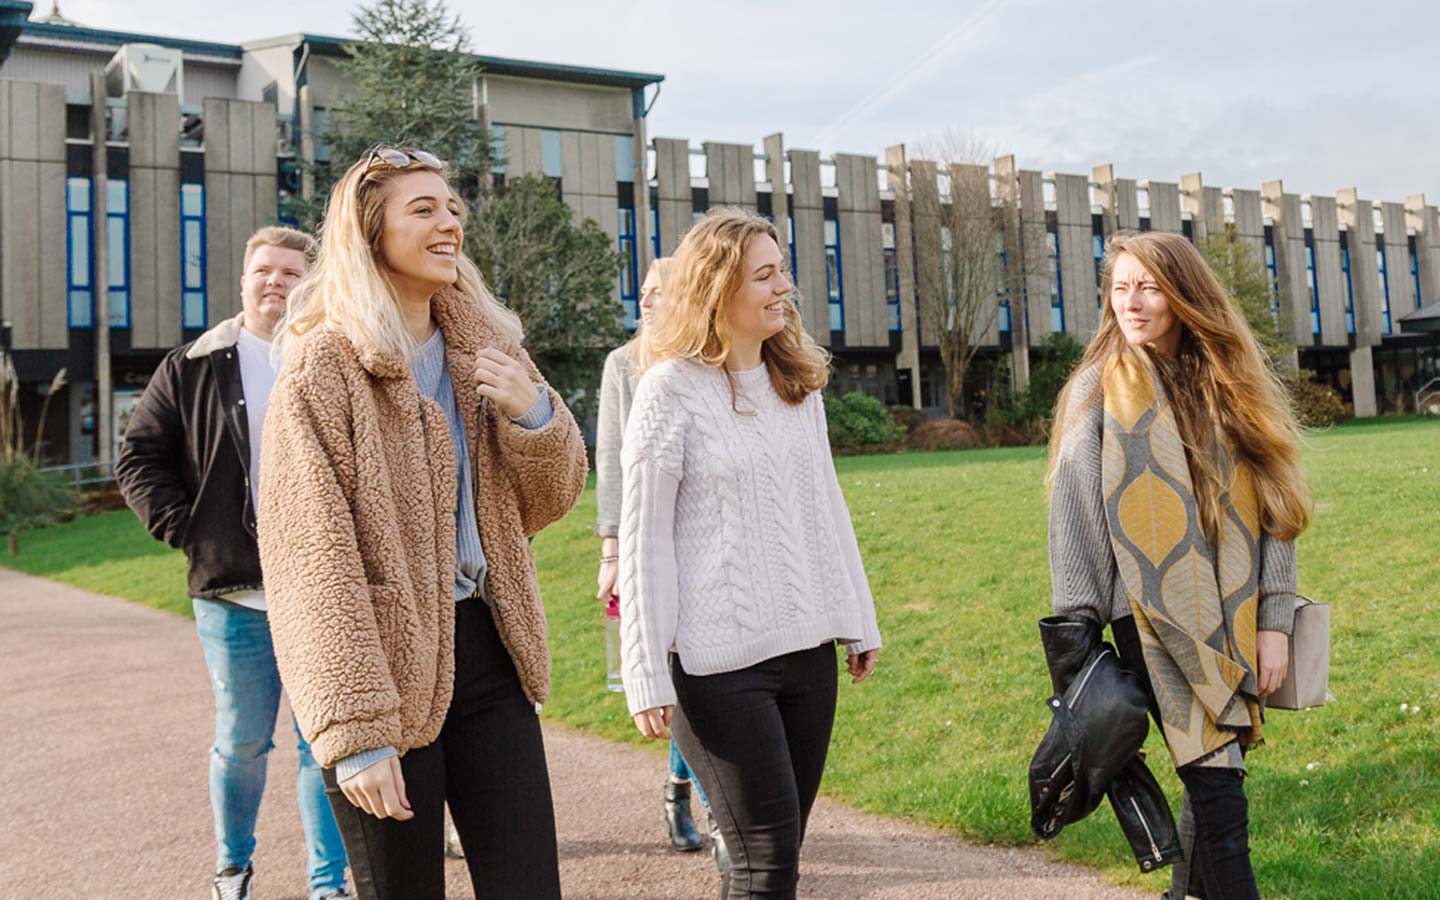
x,y
944,434
1316,405
859,421
908,417
1017,419
30,498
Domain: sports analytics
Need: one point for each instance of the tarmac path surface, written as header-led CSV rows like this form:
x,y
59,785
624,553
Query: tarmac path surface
x,y
108,716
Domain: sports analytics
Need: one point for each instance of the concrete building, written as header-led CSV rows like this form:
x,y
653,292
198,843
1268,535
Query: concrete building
x,y
202,143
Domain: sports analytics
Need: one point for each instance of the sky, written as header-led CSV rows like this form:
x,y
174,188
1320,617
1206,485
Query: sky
x,y
1324,95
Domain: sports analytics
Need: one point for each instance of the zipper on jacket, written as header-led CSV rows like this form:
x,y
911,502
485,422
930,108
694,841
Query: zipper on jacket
x,y
1146,825
1086,677
1064,762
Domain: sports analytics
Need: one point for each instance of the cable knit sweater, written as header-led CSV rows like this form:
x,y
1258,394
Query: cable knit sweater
x,y
735,542
1083,574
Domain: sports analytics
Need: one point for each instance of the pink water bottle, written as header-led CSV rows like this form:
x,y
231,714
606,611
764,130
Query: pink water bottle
x,y
612,644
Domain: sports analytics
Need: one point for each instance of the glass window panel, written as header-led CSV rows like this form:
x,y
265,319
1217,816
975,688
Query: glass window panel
x,y
81,314
194,312
1057,319
832,273
550,157
117,196
80,251
194,255
1004,316
832,231
837,317
119,308
624,158
115,256
497,149
192,200
77,194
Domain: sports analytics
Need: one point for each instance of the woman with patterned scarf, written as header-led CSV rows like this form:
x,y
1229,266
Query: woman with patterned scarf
x,y
1176,495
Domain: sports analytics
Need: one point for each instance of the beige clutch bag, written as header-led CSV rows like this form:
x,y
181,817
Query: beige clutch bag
x,y
1307,682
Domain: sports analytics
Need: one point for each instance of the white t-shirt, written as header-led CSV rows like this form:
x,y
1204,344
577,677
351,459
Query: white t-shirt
x,y
257,378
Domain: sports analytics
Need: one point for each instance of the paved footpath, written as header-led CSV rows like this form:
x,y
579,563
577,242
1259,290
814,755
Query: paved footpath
x,y
107,717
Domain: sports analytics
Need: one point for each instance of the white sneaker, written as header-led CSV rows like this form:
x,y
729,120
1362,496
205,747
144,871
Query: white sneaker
x,y
232,883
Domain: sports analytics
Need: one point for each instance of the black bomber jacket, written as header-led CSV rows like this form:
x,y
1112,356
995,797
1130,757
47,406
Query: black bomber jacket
x,y
184,467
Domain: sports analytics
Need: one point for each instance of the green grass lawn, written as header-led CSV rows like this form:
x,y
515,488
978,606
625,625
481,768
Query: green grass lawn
x,y
1345,801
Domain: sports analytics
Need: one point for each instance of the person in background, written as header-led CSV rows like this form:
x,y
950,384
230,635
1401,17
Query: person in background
x,y
1176,494
412,450
190,470
617,389
739,568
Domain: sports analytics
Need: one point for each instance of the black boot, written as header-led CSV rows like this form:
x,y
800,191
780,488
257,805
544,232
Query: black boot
x,y
717,843
678,822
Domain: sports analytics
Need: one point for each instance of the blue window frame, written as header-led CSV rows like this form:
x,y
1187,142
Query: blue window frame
x,y
630,264
1274,279
892,289
1349,290
1384,286
790,227
834,289
1310,283
625,158
1057,290
117,250
1415,276
550,157
79,250
1097,248
193,312
1002,284
655,227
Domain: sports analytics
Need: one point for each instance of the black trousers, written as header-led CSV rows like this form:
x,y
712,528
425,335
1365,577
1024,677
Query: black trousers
x,y
489,765
1214,814
757,739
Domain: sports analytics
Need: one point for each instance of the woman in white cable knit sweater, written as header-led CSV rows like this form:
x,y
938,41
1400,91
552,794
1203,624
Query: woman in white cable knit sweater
x,y
739,567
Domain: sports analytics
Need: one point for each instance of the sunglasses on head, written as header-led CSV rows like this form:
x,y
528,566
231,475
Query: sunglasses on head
x,y
396,158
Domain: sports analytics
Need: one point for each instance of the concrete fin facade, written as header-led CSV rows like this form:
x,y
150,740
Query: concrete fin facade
x,y
32,214
862,255
240,167
155,314
807,211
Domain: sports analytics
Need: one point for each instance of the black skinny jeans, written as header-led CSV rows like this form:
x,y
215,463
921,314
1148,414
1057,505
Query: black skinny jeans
x,y
1214,814
757,739
489,765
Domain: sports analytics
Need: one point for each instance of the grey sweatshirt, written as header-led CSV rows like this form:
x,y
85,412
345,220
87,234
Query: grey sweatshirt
x,y
1084,578
617,389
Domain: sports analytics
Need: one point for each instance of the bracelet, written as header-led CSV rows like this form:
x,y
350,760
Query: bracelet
x,y
609,559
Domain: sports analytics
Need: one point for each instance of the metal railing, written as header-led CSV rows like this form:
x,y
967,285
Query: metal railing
x,y
85,474
1427,399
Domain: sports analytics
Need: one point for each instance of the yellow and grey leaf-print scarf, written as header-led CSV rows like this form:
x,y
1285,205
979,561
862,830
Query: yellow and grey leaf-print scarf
x,y
1194,603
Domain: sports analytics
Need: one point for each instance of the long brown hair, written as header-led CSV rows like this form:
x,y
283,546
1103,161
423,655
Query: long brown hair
x,y
348,289
1217,381
708,268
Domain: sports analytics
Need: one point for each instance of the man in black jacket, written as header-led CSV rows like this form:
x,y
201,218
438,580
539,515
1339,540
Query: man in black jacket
x,y
189,468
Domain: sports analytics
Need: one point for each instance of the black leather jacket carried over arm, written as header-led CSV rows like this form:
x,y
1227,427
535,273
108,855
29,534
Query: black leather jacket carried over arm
x,y
1099,720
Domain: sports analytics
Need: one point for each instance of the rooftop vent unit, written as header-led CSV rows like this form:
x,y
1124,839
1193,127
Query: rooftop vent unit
x,y
145,67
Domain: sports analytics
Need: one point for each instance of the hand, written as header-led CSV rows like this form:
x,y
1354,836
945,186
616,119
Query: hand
x,y
606,580
379,790
861,665
1272,652
655,723
504,381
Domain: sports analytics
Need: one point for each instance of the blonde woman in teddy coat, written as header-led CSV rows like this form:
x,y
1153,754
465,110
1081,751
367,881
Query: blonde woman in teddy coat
x,y
410,451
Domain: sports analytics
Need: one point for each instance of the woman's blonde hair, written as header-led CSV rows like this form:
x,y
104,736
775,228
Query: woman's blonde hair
x,y
707,270
638,349
347,288
1218,381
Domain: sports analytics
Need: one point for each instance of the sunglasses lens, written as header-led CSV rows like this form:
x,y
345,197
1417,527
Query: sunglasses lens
x,y
393,157
428,159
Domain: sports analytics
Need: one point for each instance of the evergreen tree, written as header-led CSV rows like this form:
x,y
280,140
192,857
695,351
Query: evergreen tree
x,y
1245,278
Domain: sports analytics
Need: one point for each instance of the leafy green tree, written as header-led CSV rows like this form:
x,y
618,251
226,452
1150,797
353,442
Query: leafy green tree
x,y
29,497
1243,275
411,81
558,275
